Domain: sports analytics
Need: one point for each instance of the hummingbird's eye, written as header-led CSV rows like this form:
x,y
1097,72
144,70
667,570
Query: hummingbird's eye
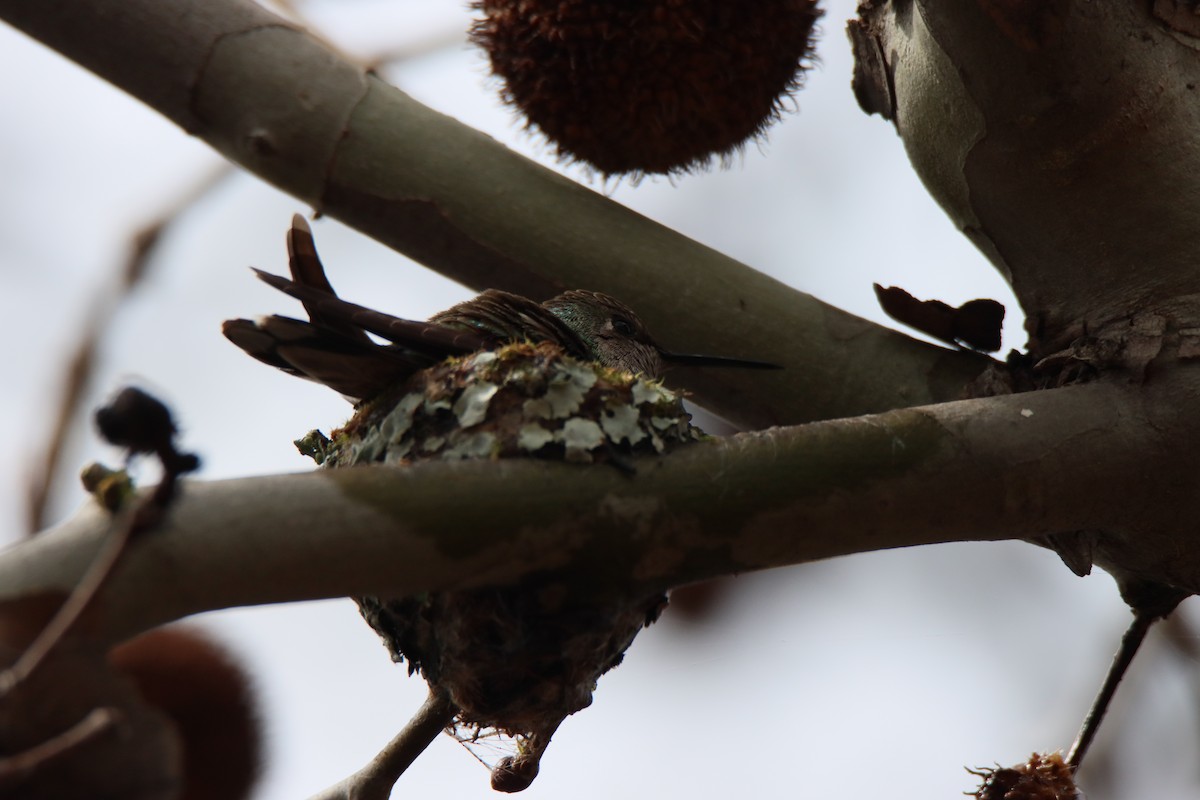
x,y
622,326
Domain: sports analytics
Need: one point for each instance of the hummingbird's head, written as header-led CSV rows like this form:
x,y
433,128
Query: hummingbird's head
x,y
615,335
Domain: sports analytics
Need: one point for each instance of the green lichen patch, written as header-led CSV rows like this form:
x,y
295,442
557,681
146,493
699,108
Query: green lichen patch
x,y
315,445
112,488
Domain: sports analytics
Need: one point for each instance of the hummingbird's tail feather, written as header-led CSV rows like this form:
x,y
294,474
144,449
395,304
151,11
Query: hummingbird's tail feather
x,y
307,270
333,313
357,369
333,347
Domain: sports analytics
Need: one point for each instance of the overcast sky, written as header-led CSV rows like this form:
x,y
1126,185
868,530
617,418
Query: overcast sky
x,y
879,675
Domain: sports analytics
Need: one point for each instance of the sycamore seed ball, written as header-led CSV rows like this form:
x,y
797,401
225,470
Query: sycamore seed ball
x,y
657,86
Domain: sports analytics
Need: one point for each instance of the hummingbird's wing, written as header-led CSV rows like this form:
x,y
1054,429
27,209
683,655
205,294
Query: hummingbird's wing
x,y
307,270
502,316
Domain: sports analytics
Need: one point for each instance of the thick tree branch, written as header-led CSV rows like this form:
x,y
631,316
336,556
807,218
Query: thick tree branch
x,y
1099,458
275,101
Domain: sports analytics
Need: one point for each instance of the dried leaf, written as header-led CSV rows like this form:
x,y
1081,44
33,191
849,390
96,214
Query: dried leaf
x,y
976,323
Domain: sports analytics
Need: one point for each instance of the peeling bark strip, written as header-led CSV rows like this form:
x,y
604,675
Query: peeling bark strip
x,y
1113,459
272,99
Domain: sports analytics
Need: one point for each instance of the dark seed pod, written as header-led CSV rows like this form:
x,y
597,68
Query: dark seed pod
x,y
1042,777
135,420
658,86
207,694
141,423
514,774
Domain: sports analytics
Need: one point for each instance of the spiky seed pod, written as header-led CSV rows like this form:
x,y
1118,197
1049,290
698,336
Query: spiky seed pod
x,y
1043,777
514,659
657,86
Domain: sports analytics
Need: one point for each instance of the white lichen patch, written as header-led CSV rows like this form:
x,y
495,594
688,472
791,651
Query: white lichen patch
x,y
434,405
568,388
525,378
651,393
623,424
471,407
368,450
399,420
484,358
662,423
580,437
534,437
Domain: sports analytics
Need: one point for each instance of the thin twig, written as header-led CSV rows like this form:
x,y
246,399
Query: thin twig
x,y
79,369
141,424
16,768
376,779
82,364
1130,642
69,612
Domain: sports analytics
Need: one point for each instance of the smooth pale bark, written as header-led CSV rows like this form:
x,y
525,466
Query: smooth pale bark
x,y
277,102
1111,462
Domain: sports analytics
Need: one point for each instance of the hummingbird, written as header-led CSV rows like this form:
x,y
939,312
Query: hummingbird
x,y
333,346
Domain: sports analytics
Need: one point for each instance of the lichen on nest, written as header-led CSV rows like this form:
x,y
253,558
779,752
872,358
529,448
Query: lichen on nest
x,y
521,400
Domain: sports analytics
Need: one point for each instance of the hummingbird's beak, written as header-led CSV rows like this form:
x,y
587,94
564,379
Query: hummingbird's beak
x,y
694,360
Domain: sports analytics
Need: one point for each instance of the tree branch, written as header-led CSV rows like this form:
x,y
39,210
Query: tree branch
x,y
1095,457
376,779
275,101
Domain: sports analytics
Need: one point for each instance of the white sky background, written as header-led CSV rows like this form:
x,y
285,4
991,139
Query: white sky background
x,y
875,675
